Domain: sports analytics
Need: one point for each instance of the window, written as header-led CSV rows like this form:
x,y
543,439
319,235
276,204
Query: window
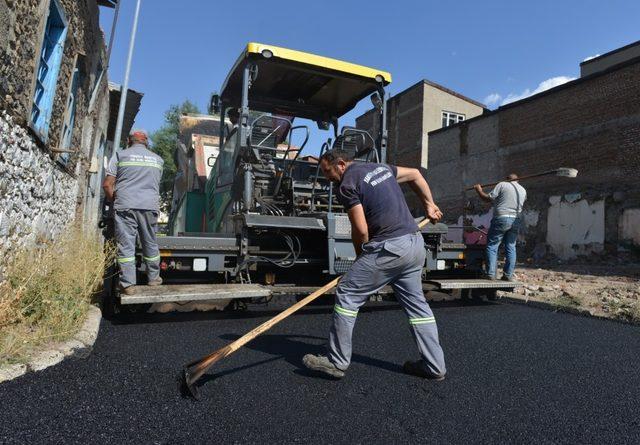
x,y
226,159
449,118
70,115
55,32
97,78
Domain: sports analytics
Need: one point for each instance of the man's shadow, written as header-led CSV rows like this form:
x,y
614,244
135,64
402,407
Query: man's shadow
x,y
292,348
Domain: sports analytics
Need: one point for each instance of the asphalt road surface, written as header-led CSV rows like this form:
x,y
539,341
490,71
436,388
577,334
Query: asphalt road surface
x,y
516,375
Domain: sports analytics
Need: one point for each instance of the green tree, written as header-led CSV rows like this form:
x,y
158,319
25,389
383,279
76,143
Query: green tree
x,y
165,142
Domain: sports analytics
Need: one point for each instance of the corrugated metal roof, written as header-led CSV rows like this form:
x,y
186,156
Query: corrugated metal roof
x,y
134,98
107,3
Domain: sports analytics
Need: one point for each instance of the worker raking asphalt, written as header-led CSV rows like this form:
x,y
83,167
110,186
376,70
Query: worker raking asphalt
x,y
390,251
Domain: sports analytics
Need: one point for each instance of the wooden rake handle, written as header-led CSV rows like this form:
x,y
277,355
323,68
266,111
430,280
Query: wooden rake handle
x,y
205,363
201,365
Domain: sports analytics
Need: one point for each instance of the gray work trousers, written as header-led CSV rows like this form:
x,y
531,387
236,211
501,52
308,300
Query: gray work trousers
x,y
397,262
130,224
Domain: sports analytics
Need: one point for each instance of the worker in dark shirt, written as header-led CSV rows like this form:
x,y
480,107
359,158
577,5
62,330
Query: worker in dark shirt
x,y
390,251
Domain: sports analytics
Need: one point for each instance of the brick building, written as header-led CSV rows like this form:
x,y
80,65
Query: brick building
x,y
411,115
54,113
591,123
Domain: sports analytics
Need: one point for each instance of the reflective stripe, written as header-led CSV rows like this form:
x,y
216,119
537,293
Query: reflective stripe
x,y
342,311
153,258
127,259
424,320
139,164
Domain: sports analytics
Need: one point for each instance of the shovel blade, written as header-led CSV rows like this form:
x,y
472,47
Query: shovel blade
x,y
187,387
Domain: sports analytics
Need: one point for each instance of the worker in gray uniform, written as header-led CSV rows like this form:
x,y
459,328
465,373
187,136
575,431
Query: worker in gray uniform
x,y
390,251
132,183
508,199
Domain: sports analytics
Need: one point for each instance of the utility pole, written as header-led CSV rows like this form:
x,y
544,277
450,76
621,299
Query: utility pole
x,y
125,84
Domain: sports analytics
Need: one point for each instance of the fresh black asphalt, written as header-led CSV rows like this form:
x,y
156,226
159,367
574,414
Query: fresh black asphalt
x,y
516,375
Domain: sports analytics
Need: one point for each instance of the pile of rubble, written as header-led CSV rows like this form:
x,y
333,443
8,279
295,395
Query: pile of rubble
x,y
610,290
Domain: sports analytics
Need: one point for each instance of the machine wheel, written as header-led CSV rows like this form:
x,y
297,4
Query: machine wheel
x,y
134,309
480,294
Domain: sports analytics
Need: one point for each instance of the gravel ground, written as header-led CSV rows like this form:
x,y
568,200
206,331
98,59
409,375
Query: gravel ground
x,y
610,290
516,375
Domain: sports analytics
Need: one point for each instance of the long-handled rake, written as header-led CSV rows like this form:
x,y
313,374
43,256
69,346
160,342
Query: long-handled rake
x,y
194,370
563,171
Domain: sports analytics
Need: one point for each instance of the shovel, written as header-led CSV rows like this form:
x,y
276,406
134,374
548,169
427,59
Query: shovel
x,y
563,171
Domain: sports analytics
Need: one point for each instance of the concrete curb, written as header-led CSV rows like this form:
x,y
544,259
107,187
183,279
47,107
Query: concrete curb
x,y
79,346
558,308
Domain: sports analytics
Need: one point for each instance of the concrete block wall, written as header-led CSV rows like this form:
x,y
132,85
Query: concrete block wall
x,y
462,156
405,127
592,125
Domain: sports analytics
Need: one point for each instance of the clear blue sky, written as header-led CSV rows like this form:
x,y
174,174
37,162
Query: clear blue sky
x,y
491,51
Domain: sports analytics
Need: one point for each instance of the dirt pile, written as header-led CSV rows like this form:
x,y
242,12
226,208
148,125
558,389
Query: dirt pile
x,y
611,290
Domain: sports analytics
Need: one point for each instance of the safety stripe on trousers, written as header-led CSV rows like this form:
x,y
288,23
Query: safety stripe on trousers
x,y
138,164
424,320
126,259
347,312
151,258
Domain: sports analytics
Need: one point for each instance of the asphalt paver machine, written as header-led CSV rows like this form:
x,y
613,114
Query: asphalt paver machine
x,y
270,221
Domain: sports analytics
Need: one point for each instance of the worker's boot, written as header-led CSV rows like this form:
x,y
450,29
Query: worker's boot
x,y
155,282
322,364
417,369
129,290
510,279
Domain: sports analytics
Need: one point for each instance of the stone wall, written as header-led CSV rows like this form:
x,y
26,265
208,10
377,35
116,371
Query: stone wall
x,y
40,192
19,58
592,124
37,198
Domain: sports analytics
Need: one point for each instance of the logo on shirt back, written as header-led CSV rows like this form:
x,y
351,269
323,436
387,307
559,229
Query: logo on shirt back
x,y
136,160
379,179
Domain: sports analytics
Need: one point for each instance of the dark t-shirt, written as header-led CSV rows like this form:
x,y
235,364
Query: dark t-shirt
x,y
375,187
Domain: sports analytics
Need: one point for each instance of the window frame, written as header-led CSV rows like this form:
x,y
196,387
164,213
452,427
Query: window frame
x,y
448,115
41,124
70,112
226,159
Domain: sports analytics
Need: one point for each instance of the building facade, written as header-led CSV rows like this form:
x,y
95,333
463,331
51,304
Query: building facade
x,y
411,115
591,124
54,112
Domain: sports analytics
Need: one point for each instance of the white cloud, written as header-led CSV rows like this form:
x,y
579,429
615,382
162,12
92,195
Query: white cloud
x,y
492,99
543,86
591,57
